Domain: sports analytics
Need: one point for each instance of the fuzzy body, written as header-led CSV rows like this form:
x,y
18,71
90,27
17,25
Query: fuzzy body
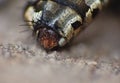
x,y
66,18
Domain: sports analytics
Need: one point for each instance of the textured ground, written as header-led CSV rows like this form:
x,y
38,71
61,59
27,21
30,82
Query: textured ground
x,y
93,57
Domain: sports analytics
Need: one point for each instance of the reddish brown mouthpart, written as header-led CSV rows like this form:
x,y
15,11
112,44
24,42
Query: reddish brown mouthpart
x,y
48,38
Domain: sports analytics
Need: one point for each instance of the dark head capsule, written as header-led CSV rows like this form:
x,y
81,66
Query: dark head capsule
x,y
48,38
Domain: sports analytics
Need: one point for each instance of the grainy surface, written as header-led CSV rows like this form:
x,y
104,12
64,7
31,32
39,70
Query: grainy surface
x,y
93,57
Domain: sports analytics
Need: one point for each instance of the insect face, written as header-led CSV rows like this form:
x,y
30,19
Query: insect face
x,y
56,22
47,38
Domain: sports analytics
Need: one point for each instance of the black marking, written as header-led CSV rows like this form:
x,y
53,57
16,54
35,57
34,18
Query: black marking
x,y
41,24
37,26
76,25
81,8
39,7
95,12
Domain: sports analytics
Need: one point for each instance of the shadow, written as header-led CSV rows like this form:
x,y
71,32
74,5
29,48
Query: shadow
x,y
114,6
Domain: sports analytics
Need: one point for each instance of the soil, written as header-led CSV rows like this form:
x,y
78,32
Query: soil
x,y
92,57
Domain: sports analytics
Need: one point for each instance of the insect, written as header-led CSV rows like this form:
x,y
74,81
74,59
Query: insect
x,y
56,22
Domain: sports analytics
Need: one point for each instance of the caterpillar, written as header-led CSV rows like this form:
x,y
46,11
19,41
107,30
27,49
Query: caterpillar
x,y
56,22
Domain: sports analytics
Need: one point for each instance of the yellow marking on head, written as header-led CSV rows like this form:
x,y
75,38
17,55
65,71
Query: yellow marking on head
x,y
69,30
88,18
96,4
62,42
28,16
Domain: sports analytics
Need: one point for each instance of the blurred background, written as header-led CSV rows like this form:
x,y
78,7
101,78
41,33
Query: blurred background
x,y
93,56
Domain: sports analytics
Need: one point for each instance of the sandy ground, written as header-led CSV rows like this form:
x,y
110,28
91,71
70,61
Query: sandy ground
x,y
92,57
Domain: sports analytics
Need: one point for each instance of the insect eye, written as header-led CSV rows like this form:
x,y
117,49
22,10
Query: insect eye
x,y
76,25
